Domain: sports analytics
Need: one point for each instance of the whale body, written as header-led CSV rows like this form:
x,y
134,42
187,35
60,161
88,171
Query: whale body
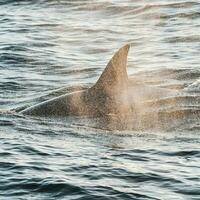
x,y
113,94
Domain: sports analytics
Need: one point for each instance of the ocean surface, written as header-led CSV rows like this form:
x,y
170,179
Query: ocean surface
x,y
48,48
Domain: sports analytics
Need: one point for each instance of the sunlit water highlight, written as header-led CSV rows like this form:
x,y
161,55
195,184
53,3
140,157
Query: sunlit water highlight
x,y
48,48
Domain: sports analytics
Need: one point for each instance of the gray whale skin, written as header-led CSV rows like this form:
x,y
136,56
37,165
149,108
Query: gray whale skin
x,y
111,95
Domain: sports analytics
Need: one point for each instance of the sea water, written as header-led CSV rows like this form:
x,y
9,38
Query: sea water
x,y
48,48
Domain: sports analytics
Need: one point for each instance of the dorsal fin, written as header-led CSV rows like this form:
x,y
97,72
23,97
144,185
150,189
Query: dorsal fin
x,y
115,74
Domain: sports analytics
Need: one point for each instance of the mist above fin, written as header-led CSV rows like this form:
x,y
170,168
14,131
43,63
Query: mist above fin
x,y
115,75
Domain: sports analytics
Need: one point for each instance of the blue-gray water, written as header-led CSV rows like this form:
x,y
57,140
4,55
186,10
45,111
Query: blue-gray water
x,y
50,47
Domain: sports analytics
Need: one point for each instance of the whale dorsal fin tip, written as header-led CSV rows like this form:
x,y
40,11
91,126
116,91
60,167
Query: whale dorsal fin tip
x,y
115,74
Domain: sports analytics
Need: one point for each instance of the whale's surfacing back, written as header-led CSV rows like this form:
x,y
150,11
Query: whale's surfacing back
x,y
121,102
107,96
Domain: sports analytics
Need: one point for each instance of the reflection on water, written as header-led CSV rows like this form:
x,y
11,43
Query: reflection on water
x,y
48,48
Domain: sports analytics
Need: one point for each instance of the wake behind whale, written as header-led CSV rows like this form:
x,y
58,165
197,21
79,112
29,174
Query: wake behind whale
x,y
122,102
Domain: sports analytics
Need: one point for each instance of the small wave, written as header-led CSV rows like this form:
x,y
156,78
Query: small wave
x,y
186,153
48,186
194,87
11,85
183,39
145,10
14,48
15,58
15,2
6,122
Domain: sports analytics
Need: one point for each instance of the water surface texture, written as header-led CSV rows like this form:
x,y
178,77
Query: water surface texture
x,y
48,48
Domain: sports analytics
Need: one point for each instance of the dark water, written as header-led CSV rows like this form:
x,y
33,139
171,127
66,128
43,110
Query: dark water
x,y
48,48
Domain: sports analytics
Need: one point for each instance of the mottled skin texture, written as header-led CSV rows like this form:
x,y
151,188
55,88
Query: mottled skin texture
x,y
111,95
105,97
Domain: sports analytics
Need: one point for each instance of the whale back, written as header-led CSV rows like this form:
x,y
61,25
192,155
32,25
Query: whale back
x,y
107,96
